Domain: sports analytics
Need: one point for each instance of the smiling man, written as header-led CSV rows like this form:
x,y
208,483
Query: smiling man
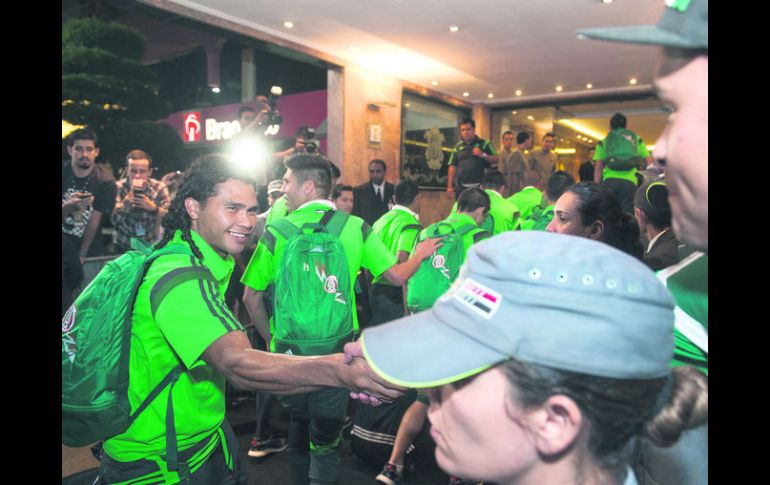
x,y
183,433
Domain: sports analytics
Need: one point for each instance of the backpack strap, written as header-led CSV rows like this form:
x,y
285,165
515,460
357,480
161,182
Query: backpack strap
x,y
409,227
283,227
334,221
174,278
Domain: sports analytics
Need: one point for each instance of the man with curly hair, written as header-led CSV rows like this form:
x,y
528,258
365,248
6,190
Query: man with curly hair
x,y
212,215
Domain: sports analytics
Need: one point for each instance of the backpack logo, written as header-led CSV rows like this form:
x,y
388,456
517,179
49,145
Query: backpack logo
x,y
330,285
69,319
438,261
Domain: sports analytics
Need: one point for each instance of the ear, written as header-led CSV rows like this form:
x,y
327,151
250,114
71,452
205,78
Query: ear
x,y
308,187
641,218
555,424
595,230
193,208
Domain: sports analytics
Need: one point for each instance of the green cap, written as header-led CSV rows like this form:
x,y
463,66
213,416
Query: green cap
x,y
684,24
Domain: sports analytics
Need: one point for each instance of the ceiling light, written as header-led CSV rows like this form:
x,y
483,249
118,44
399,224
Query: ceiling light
x,y
288,25
558,89
589,86
435,83
406,105
518,92
490,95
513,112
530,118
454,28
607,1
466,94
215,89
632,80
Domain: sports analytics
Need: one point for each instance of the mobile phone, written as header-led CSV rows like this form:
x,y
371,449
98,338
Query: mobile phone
x,y
84,195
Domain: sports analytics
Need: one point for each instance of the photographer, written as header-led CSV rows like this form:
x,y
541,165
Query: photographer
x,y
140,203
304,142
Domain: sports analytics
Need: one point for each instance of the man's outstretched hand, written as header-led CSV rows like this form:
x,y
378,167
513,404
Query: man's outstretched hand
x,y
383,391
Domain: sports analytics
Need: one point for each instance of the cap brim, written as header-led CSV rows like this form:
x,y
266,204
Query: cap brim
x,y
639,34
419,351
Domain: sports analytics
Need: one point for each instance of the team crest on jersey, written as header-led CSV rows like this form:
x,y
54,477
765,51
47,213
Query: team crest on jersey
x,y
69,319
331,284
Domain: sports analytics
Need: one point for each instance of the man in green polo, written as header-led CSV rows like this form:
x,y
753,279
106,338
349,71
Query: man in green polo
x,y
398,229
317,416
502,215
183,433
620,179
530,196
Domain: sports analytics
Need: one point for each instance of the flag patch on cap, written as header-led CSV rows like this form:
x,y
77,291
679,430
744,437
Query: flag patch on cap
x,y
481,299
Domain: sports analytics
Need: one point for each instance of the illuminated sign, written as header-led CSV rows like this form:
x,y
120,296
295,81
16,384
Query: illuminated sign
x,y
224,130
192,127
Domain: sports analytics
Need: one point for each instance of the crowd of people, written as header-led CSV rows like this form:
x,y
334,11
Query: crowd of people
x,y
555,331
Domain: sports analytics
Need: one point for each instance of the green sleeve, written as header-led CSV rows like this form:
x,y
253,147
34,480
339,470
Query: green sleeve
x,y
260,271
407,240
642,148
452,155
599,153
191,317
488,148
376,257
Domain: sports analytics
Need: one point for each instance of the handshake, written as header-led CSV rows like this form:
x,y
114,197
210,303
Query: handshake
x,y
384,391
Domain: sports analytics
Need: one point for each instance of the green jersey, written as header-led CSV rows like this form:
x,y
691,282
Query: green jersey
x,y
688,283
457,221
526,199
279,209
189,319
363,249
629,175
397,229
503,215
538,220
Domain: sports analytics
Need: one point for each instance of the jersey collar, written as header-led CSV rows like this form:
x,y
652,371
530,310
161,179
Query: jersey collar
x,y
323,202
221,268
406,209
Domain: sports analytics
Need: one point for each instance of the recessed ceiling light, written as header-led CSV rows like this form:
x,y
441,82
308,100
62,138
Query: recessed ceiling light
x,y
632,80
215,90
407,105
513,112
558,89
607,1
466,94
590,141
454,28
530,118
288,25
490,95
589,86
518,92
435,83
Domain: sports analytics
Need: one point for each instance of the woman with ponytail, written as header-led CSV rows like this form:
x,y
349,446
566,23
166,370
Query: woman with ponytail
x,y
547,362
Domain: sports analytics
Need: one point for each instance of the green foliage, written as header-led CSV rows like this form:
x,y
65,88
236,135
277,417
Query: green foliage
x,y
98,61
91,32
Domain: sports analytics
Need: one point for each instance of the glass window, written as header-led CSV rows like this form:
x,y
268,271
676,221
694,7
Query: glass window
x,y
429,131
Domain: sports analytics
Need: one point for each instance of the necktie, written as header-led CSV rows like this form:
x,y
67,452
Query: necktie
x,y
377,191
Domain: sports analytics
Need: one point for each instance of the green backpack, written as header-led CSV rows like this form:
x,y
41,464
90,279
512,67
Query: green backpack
x,y
313,302
538,219
96,340
620,150
437,272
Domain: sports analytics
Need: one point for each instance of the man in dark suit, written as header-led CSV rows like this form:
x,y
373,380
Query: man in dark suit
x,y
653,213
371,199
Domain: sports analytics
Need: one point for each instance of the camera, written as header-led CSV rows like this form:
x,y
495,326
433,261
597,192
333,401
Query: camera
x,y
309,144
270,118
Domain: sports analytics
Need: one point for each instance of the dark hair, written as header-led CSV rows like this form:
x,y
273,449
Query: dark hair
x,y
138,155
467,121
244,109
595,202
336,172
509,132
471,199
380,162
200,182
652,199
405,192
82,134
312,166
618,120
302,131
493,179
339,189
550,133
522,137
618,410
558,183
